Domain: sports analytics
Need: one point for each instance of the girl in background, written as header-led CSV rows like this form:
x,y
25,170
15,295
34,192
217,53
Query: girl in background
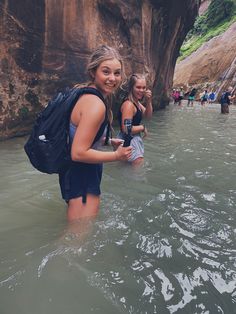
x,y
136,106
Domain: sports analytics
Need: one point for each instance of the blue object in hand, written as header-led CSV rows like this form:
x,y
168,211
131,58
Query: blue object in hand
x,y
127,135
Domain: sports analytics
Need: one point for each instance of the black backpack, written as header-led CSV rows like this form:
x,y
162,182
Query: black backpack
x,y
48,147
223,99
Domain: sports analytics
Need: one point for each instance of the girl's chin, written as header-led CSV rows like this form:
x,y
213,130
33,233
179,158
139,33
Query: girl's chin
x,y
106,91
139,97
109,90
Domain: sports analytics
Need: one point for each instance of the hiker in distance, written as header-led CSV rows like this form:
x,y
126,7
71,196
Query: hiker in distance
x,y
226,100
90,117
136,105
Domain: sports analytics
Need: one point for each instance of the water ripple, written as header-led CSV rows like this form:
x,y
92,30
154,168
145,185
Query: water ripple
x,y
163,242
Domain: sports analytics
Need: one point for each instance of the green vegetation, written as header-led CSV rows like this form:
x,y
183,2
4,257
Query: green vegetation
x,y
217,19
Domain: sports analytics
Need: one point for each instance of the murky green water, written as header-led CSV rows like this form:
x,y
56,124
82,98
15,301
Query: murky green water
x,y
164,240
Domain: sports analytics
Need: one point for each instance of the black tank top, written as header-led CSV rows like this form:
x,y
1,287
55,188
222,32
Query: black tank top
x,y
137,118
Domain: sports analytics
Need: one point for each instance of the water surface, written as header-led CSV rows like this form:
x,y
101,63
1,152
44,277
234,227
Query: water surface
x,y
163,242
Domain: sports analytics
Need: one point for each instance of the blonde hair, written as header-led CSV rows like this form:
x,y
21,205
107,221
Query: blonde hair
x,y
103,53
129,85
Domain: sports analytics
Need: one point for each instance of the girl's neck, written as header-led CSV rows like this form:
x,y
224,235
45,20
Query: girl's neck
x,y
94,86
136,101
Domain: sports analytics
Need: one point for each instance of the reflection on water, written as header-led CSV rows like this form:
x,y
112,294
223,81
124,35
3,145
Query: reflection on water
x,y
164,240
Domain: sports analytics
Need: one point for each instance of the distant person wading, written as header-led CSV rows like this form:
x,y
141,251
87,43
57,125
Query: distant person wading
x,y
191,97
226,99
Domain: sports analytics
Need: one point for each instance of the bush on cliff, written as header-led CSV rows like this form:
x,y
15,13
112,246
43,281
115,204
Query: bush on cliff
x,y
218,17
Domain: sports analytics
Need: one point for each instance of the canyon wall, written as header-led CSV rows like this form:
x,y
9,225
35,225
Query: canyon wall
x,y
212,66
45,45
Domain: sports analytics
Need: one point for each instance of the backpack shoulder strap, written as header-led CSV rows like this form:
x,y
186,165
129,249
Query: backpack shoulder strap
x,y
76,92
91,90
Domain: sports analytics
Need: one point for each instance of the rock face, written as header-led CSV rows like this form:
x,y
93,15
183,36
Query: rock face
x,y
45,46
212,66
204,6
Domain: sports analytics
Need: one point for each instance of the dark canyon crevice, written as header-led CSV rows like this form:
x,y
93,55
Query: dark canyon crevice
x,y
45,46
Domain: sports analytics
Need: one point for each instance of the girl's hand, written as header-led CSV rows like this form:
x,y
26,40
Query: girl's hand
x,y
123,153
145,132
148,95
116,142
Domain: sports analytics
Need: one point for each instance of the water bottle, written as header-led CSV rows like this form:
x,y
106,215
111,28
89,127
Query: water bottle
x,y
127,135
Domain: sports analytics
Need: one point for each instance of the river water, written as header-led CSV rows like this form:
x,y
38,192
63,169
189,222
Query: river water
x,y
163,242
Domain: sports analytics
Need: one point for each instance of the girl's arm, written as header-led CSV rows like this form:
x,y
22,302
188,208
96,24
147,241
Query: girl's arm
x,y
128,111
148,109
89,114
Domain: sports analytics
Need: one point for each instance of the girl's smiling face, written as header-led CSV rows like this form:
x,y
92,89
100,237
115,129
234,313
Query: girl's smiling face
x,y
139,89
107,77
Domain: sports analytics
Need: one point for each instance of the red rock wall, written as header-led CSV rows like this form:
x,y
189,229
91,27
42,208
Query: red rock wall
x,y
45,45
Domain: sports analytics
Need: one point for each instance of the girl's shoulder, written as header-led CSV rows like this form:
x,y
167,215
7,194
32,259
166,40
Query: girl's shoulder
x,y
126,100
127,103
89,100
88,105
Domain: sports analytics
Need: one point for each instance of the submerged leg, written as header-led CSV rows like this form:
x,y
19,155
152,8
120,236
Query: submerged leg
x,y
77,209
138,162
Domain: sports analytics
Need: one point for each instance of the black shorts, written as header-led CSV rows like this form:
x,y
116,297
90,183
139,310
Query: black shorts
x,y
80,179
224,108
